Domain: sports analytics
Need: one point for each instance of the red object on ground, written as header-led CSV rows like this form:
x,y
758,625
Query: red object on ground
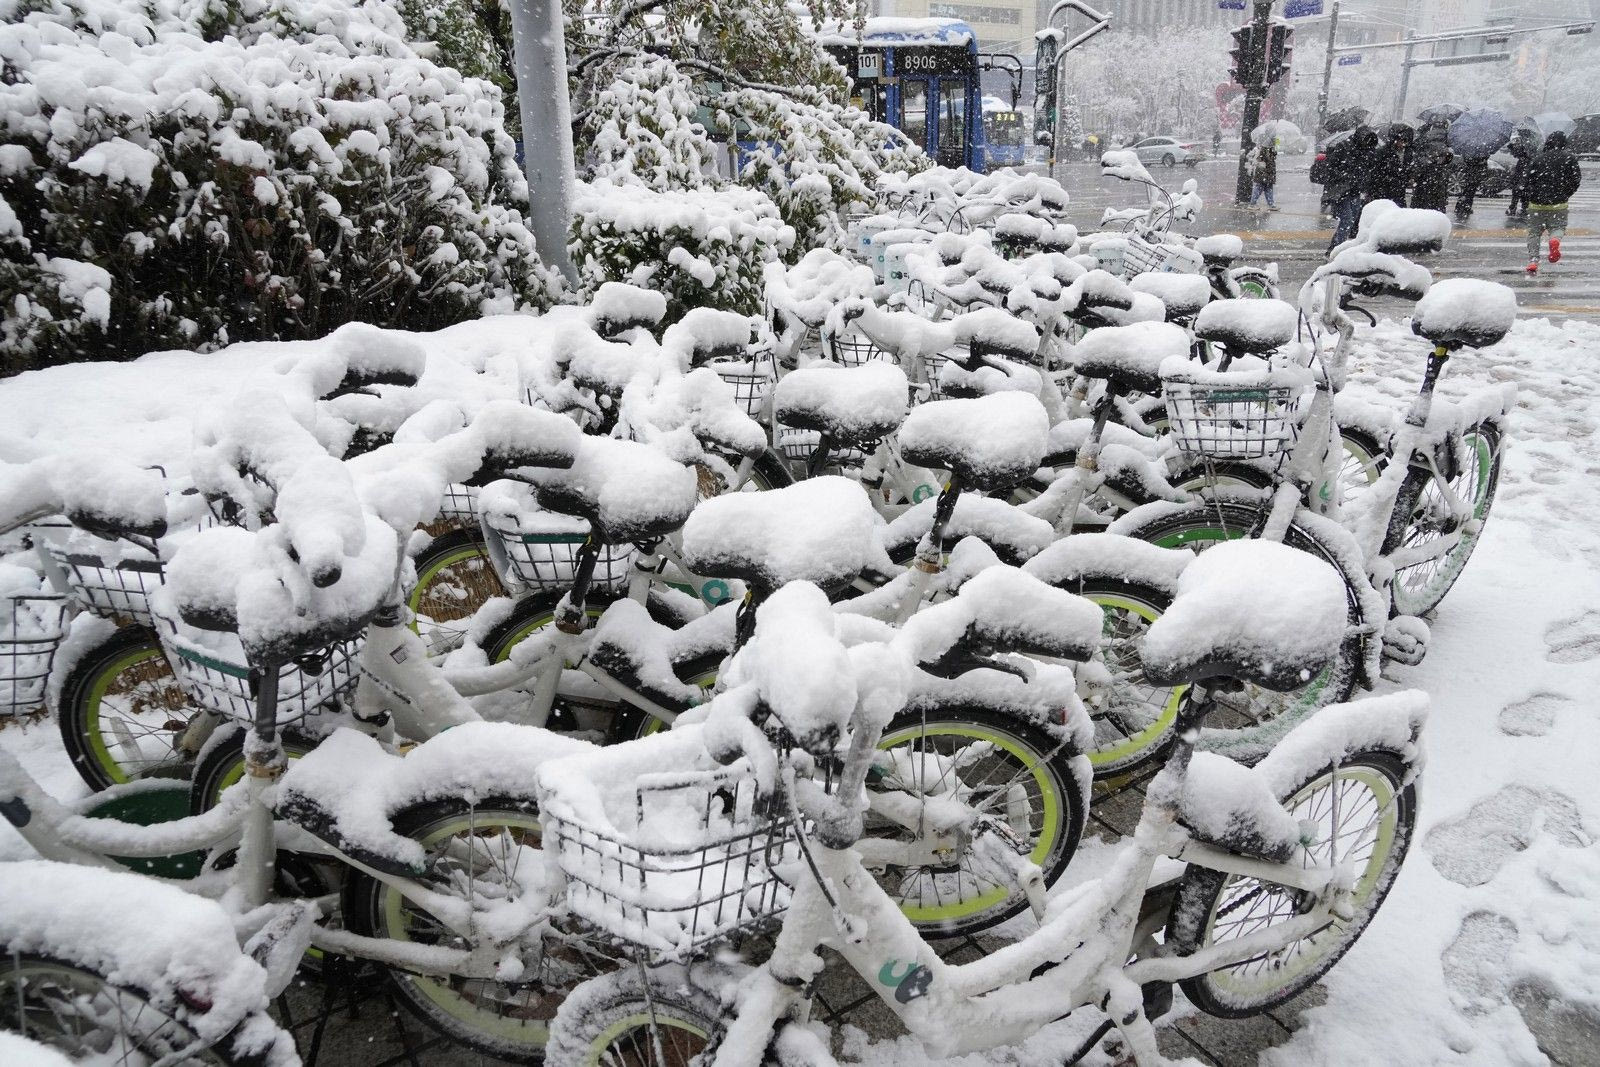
x,y
1555,250
1533,267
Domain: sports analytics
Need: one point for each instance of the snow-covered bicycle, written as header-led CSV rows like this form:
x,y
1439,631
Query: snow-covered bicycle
x,y
1285,864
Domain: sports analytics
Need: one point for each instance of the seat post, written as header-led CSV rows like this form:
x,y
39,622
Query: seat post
x,y
931,558
571,616
819,456
1422,403
264,763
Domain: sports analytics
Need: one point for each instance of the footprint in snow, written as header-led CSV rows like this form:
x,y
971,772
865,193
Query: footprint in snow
x,y
1532,717
1475,963
1574,640
1472,847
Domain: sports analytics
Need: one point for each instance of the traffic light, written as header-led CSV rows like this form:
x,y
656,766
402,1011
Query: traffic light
x,y
1280,47
1247,56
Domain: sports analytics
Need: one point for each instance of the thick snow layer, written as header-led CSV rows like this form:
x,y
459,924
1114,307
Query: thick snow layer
x,y
1476,312
1250,325
999,439
1134,352
1272,611
1386,227
1228,246
1005,609
181,942
999,523
819,530
854,404
1086,556
1182,294
14,1048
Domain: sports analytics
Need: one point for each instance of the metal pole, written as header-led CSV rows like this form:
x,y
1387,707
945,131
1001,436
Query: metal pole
x,y
547,157
1405,83
1253,95
1327,74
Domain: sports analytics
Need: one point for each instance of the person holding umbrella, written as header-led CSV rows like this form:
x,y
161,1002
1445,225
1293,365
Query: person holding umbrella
x,y
1553,176
1521,149
1351,165
1392,170
1476,135
1430,166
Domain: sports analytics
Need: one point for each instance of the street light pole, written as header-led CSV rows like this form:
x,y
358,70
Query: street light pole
x,y
1253,95
1327,72
1405,80
540,51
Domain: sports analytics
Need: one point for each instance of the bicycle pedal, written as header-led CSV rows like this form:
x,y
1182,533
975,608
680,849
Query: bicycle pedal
x,y
1405,640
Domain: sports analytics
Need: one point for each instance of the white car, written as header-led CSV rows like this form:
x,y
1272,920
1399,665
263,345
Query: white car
x,y
1168,151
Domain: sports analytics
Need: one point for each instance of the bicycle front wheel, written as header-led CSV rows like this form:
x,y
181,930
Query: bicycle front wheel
x,y
86,1017
123,715
477,853
1423,514
454,580
634,1019
1364,814
999,765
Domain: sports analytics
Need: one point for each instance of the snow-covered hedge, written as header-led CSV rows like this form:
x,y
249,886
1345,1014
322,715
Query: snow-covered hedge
x,y
184,173
700,247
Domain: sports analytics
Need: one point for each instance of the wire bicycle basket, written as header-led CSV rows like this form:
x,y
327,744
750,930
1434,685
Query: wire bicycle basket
x,y
216,674
113,590
699,866
751,380
1256,416
548,561
32,627
460,505
851,349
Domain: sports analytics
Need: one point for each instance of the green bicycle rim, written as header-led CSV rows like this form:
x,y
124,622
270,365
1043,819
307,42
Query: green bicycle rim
x,y
91,720
436,989
432,571
1099,757
1284,973
1048,832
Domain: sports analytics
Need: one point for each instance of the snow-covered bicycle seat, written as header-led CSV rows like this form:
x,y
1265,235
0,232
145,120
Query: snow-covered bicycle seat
x,y
1257,611
990,442
626,490
1465,313
820,530
1219,249
1003,526
1248,327
854,406
618,307
1129,357
1183,294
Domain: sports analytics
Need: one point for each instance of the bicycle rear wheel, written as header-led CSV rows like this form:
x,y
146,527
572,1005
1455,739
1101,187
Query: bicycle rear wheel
x,y
1422,513
123,716
83,1015
454,580
634,1019
1364,813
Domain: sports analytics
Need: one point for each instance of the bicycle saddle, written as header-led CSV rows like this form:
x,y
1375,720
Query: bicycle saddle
x,y
990,442
1183,294
1129,357
627,491
1465,313
1220,249
819,531
114,500
1257,611
375,356
618,307
1252,327
854,406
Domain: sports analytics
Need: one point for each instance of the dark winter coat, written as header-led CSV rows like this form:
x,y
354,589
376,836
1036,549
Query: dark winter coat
x,y
1430,168
1553,175
1351,165
1391,172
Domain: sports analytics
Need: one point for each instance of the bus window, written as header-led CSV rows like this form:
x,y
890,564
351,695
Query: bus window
x,y
914,110
952,122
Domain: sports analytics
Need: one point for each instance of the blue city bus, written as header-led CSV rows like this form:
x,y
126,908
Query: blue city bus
x,y
1005,134
921,76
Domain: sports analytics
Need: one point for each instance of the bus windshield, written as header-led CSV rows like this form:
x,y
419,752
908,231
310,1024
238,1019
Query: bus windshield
x,y
1004,128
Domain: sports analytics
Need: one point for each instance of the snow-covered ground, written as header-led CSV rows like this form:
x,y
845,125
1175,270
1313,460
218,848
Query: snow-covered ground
x,y
1488,949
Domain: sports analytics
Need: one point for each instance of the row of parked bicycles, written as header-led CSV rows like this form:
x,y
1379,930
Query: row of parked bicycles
x,y
591,698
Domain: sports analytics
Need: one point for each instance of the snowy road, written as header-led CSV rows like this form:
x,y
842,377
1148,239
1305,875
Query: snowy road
x,y
1488,950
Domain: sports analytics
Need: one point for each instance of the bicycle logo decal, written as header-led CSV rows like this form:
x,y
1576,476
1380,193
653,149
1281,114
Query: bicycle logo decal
x,y
922,492
716,592
909,984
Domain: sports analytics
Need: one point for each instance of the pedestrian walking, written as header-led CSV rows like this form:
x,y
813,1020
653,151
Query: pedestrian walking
x,y
1351,165
1552,177
1391,172
1521,149
1473,171
1216,143
1263,164
1430,168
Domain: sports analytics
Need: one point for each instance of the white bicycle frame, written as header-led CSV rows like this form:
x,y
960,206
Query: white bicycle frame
x,y
1083,946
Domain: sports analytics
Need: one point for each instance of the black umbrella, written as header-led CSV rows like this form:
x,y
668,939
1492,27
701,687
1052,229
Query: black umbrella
x,y
1346,118
1441,113
1480,133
